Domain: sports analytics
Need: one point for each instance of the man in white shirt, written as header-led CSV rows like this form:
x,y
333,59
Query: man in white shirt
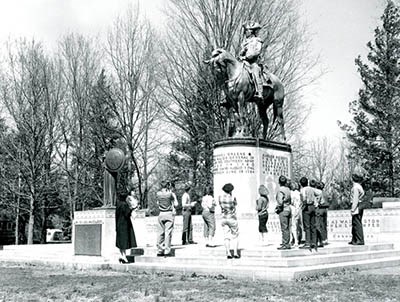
x,y
187,229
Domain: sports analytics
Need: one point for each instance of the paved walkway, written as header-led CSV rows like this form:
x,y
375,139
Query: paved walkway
x,y
62,255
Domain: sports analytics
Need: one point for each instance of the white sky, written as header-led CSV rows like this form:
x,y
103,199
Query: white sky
x,y
341,29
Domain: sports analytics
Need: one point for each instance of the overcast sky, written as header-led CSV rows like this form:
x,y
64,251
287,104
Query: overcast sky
x,y
341,29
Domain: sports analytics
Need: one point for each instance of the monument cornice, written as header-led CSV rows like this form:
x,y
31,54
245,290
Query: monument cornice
x,y
252,142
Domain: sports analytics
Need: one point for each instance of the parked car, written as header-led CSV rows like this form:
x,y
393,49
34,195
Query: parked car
x,y
55,236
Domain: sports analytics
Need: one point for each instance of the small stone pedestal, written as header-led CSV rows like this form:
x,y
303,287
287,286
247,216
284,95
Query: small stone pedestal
x,y
94,233
247,163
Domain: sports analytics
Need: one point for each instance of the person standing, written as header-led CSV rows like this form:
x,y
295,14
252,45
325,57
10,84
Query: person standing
x,y
307,196
262,212
296,222
229,221
357,193
283,200
125,235
323,206
319,223
208,204
166,203
187,229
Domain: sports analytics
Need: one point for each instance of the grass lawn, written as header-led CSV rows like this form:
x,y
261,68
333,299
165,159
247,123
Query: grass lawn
x,y
40,283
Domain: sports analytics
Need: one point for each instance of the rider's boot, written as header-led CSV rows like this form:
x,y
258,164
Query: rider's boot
x,y
258,95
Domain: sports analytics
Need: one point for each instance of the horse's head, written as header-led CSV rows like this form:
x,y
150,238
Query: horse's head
x,y
220,59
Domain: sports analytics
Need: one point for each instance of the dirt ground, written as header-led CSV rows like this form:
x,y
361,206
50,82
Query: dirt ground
x,y
40,283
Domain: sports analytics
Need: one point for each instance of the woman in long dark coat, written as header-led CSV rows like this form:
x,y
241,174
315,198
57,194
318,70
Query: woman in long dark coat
x,y
125,234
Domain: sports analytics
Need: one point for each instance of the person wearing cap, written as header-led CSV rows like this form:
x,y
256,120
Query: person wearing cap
x,y
229,221
166,203
283,200
250,52
187,229
357,193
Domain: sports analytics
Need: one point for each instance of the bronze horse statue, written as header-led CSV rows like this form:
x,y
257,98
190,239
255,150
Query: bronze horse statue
x,y
239,88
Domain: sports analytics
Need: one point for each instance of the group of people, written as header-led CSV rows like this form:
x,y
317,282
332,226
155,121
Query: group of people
x,y
301,207
167,202
304,206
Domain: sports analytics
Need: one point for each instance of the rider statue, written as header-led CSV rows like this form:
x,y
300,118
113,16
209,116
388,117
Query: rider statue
x,y
250,52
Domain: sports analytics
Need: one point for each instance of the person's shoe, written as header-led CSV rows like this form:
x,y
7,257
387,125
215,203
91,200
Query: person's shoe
x,y
358,243
283,247
320,245
168,255
192,242
185,243
236,256
325,242
229,257
305,246
161,254
351,242
123,261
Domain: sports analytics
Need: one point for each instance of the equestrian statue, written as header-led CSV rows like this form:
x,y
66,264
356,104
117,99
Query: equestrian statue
x,y
245,80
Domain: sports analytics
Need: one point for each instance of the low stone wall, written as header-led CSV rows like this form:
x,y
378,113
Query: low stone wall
x,y
94,230
380,225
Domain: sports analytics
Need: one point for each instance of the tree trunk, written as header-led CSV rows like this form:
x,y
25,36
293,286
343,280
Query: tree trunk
x,y
31,221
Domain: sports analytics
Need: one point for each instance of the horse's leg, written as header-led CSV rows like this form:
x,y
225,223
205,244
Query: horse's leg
x,y
262,112
242,113
278,117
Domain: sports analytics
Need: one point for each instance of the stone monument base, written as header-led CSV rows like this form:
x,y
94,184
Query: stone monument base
x,y
248,163
93,232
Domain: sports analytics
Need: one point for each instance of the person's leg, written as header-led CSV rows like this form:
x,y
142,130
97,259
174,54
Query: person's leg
x,y
325,226
212,230
293,229
307,226
358,229
284,219
206,231
313,229
235,236
160,234
318,227
123,255
190,229
185,226
169,223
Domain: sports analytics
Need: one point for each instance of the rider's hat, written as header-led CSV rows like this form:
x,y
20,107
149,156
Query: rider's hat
x,y
251,25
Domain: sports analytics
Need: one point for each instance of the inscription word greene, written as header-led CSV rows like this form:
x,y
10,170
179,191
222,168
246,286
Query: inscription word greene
x,y
275,165
234,163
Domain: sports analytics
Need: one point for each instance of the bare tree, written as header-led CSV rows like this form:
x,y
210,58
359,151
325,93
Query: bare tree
x,y
30,91
194,97
80,61
197,27
133,60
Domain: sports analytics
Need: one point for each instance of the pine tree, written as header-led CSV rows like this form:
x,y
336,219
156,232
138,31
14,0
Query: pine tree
x,y
374,131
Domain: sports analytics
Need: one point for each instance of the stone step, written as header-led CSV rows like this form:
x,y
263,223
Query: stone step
x,y
315,259
261,252
256,272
